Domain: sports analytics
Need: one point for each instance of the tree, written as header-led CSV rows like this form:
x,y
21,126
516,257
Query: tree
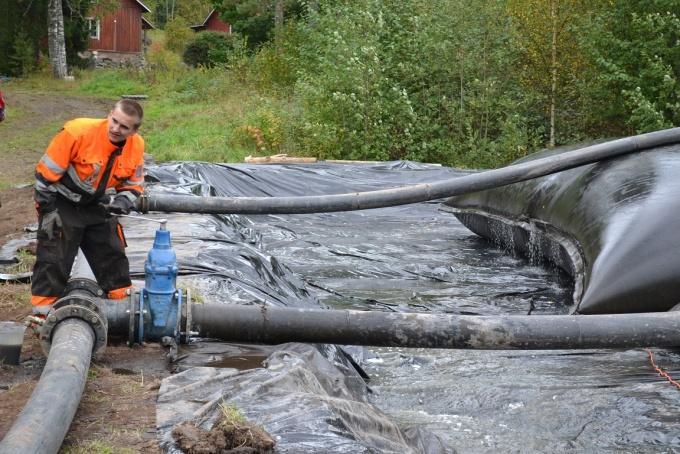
x,y
257,20
428,80
634,46
550,56
56,41
177,34
194,11
22,43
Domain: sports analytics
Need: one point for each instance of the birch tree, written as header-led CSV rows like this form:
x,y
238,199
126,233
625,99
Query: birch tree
x,y
56,40
550,55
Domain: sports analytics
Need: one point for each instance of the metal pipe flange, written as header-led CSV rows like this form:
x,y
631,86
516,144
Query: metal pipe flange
x,y
75,306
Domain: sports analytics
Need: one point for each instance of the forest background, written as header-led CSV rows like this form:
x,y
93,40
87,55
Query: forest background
x,y
458,82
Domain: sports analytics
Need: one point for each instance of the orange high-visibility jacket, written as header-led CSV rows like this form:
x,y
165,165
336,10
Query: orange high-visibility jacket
x,y
81,150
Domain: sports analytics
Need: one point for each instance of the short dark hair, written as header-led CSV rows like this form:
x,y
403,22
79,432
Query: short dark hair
x,y
132,108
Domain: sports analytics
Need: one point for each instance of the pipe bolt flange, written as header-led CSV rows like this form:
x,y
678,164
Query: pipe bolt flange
x,y
75,306
84,285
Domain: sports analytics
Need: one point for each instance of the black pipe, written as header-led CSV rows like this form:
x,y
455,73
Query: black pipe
x,y
409,194
44,421
275,325
117,313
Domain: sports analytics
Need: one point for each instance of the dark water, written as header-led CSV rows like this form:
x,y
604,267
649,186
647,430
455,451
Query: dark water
x,y
9,354
417,258
479,401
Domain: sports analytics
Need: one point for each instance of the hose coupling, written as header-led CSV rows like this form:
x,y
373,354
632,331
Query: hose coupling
x,y
80,306
142,204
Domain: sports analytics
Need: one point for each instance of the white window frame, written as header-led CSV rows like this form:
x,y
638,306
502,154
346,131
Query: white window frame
x,y
95,28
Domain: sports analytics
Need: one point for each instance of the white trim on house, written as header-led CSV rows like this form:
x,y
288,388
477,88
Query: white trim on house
x,y
146,8
94,25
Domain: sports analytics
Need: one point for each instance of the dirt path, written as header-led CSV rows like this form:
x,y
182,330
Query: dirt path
x,y
117,412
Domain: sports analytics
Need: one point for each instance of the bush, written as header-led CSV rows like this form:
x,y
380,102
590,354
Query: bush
x,y
214,49
177,34
23,61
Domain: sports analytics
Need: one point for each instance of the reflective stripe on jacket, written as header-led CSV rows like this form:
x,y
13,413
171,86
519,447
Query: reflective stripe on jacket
x,y
81,150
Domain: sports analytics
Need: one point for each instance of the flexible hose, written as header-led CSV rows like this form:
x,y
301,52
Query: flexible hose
x,y
276,325
43,423
409,194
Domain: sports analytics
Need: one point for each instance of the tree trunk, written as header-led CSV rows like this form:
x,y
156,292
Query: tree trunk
x,y
56,41
278,23
553,64
278,15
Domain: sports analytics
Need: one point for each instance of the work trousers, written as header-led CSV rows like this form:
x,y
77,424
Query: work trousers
x,y
101,239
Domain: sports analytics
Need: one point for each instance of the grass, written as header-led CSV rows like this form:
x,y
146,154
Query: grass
x,y
231,414
97,447
14,297
25,264
190,114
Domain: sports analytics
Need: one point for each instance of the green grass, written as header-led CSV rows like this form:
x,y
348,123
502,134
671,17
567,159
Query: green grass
x,y
25,264
97,447
190,114
231,414
109,83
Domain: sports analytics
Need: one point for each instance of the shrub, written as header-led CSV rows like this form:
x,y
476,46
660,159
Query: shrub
x,y
23,61
177,34
214,49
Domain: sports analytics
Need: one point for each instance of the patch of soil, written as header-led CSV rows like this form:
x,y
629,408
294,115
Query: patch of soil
x,y
18,211
227,436
118,410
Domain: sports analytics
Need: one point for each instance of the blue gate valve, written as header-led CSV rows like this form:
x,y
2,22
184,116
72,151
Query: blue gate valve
x,y
160,294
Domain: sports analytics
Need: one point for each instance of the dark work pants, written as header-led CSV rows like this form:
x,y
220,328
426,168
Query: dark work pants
x,y
101,240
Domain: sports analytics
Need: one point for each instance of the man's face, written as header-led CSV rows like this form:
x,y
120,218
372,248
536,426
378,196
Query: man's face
x,y
121,125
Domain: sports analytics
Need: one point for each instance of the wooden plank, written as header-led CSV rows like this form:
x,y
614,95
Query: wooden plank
x,y
279,159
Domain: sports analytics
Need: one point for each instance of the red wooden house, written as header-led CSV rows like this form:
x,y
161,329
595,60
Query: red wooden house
x,y
118,37
213,23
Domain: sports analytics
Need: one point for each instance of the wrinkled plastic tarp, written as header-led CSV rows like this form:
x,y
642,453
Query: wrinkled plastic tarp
x,y
306,402
310,399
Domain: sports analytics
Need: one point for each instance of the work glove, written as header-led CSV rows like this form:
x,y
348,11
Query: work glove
x,y
118,204
50,223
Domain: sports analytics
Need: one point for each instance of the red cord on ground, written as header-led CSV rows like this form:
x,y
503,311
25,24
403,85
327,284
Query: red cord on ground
x,y
661,372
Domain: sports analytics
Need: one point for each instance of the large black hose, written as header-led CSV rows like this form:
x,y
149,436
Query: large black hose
x,y
409,194
275,325
44,421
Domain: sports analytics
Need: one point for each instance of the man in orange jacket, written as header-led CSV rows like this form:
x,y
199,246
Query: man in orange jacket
x,y
93,168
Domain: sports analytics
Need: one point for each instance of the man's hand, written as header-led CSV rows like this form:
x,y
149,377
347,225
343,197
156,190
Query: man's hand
x,y
118,204
50,222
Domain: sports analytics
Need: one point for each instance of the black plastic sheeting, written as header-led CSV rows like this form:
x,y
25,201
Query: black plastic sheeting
x,y
306,402
310,399
410,258
612,225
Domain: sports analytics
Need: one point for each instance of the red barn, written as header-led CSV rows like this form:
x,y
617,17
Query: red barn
x,y
213,23
118,37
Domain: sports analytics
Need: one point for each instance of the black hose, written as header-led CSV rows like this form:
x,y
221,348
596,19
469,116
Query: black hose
x,y
44,421
409,194
276,325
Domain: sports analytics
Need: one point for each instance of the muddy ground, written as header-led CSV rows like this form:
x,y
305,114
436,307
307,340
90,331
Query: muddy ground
x,y
117,412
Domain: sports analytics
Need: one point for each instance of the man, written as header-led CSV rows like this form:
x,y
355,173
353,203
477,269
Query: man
x,y
92,168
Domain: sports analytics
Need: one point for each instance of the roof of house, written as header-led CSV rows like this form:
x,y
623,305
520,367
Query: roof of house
x,y
144,7
146,25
